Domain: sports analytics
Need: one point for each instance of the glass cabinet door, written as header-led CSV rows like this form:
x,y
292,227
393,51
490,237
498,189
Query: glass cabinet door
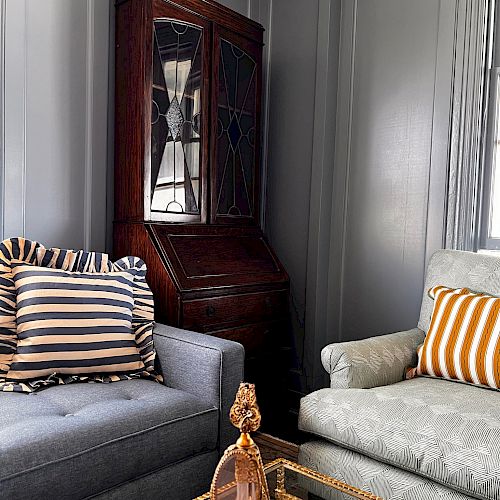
x,y
175,186
236,131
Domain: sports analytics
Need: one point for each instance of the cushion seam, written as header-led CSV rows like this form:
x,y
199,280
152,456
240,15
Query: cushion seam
x,y
106,443
146,474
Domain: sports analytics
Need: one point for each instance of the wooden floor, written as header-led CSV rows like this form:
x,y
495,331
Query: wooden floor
x,y
272,447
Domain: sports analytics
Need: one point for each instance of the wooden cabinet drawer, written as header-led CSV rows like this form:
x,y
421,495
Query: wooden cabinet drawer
x,y
206,315
253,337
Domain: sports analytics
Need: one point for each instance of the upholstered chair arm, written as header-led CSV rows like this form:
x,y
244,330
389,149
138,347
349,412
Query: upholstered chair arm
x,y
372,362
208,367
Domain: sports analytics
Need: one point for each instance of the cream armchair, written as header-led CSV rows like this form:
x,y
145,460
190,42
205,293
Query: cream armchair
x,y
417,439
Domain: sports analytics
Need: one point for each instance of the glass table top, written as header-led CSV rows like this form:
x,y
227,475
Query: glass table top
x,y
290,481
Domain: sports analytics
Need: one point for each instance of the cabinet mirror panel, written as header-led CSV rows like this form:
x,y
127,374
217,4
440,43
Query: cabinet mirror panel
x,y
236,130
176,119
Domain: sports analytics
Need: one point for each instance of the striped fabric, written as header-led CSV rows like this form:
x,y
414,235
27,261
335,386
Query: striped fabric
x,y
15,248
73,323
463,341
71,260
29,252
143,312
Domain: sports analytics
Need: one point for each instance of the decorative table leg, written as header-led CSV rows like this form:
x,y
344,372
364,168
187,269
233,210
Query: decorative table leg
x,y
280,483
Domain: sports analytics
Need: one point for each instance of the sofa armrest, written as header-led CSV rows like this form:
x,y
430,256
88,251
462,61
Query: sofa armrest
x,y
208,367
372,362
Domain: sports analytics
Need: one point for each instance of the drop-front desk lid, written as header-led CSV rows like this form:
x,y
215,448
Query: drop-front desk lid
x,y
201,256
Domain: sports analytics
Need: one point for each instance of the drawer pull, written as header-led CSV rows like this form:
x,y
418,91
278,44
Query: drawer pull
x,y
210,311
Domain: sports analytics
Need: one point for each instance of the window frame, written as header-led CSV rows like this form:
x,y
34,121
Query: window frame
x,y
488,242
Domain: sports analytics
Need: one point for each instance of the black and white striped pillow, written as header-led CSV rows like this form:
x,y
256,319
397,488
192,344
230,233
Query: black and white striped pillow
x,y
71,323
143,312
73,260
11,249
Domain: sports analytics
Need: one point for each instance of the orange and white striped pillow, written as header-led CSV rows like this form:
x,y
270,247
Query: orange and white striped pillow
x,y
463,341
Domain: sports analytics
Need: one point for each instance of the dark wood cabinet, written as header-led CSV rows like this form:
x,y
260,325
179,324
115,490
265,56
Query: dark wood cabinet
x,y
187,172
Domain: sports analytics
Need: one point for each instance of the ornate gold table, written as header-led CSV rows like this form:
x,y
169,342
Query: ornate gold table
x,y
290,481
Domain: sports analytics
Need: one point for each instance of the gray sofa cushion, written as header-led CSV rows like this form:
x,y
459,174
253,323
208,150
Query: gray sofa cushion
x,y
77,440
443,430
183,480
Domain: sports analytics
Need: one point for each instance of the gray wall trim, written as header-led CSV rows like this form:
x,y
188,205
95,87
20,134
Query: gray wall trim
x,y
89,122
261,11
110,131
14,195
55,146
441,126
2,114
297,76
391,156
467,130
268,37
101,111
341,170
251,8
320,208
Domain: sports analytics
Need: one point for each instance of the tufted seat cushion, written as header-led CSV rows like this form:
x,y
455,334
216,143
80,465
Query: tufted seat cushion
x,y
97,436
446,431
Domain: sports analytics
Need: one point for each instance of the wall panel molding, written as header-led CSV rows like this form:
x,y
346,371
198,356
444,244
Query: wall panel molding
x,y
261,11
342,169
441,127
109,195
320,207
55,95
89,122
3,5
16,14
392,133
100,106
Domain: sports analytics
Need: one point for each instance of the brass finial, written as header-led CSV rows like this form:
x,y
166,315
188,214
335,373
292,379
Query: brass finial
x,y
245,414
243,457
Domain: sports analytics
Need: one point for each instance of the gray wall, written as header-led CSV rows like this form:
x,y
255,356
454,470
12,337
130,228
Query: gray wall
x,y
300,82
392,76
395,84
291,131
356,122
304,47
54,96
241,6
357,159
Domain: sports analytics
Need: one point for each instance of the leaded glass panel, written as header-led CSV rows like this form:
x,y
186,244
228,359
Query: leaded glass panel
x,y
236,132
176,118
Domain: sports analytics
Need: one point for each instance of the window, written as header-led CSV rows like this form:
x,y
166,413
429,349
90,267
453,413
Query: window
x,y
490,237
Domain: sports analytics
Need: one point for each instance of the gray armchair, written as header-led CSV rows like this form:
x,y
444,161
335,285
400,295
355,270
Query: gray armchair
x,y
415,439
125,440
